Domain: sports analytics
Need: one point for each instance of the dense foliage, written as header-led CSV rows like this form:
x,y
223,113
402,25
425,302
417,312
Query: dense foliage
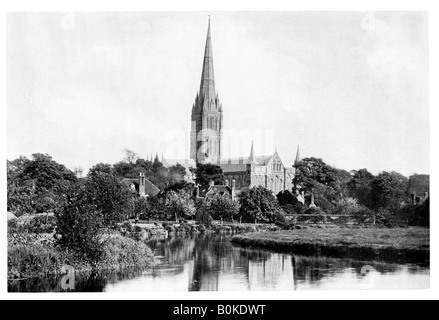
x,y
79,224
258,205
385,197
204,173
35,185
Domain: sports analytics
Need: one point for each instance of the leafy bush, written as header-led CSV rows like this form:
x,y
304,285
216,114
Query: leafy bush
x,y
286,198
33,224
222,208
179,205
141,207
110,196
154,209
258,205
33,260
79,225
125,252
347,206
298,208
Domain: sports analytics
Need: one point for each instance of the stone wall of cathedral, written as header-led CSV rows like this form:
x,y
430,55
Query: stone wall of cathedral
x,y
275,181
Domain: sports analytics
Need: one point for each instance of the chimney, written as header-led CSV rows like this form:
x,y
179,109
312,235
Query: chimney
x,y
142,189
227,183
211,183
233,189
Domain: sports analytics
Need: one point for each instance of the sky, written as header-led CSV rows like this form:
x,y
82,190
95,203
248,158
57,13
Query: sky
x,y
348,87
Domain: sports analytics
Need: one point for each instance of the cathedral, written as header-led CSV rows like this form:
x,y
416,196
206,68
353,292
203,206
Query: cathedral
x,y
206,141
207,114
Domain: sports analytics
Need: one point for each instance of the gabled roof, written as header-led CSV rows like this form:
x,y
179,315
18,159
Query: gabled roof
x,y
220,189
151,189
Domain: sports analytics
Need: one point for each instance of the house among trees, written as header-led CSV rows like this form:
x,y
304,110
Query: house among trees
x,y
419,188
223,190
142,186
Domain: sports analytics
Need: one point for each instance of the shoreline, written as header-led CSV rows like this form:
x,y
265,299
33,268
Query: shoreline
x,y
393,245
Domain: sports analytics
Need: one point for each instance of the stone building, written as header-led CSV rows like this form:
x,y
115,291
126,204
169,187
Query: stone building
x,y
266,171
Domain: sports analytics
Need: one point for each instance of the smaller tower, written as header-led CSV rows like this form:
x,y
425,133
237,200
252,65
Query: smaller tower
x,y
297,160
251,158
296,163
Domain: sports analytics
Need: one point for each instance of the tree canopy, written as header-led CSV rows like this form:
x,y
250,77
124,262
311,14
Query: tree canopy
x,y
204,173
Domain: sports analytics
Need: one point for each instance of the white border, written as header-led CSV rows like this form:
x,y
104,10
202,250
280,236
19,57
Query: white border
x,y
230,5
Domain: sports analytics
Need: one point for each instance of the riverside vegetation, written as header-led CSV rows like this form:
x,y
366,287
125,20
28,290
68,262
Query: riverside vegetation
x,y
88,227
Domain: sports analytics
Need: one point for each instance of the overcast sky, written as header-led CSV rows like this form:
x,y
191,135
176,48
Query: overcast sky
x,y
349,87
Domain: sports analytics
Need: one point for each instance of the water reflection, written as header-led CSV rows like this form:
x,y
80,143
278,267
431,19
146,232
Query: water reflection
x,y
212,263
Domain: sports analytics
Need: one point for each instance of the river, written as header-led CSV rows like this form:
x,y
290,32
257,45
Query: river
x,y
212,263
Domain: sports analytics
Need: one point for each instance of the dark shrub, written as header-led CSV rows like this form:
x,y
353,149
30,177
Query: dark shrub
x,y
258,205
286,198
79,225
315,211
222,208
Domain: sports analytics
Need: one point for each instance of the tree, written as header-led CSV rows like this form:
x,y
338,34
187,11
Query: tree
x,y
342,179
204,173
130,156
101,168
360,187
110,196
125,170
222,208
176,174
311,170
179,205
286,197
258,205
389,191
35,185
79,224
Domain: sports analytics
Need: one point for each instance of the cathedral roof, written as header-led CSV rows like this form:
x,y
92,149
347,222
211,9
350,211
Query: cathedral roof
x,y
260,160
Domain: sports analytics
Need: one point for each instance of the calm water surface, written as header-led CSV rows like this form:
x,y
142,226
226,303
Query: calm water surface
x,y
212,263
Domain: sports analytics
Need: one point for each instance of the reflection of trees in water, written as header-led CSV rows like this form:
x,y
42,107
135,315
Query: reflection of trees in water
x,y
314,269
176,251
84,282
213,255
207,257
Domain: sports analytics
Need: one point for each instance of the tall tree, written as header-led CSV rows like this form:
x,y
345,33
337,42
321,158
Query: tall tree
x,y
258,205
389,190
204,173
360,187
312,170
130,156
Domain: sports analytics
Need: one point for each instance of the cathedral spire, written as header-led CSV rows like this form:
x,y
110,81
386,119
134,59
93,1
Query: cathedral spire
x,y
207,86
207,114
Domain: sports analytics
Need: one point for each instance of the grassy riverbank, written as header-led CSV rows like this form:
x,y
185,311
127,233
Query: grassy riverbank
x,y
401,245
36,256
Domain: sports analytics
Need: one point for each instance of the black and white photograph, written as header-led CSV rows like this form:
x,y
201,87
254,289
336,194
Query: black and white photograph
x,y
217,151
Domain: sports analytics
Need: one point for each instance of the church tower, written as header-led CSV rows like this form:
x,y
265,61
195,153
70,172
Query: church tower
x,y
207,114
